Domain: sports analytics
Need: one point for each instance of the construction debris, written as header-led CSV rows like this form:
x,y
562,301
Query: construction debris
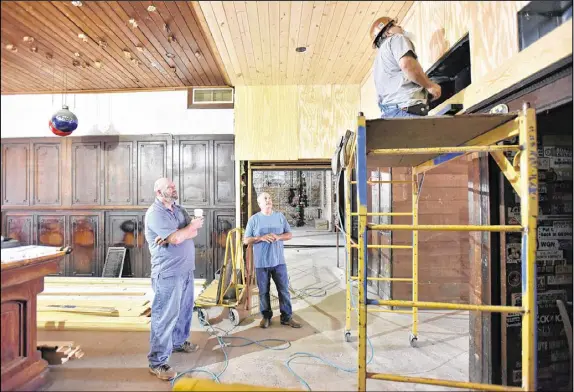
x,y
58,353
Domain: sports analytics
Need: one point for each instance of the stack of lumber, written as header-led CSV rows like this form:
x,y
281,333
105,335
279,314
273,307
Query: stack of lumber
x,y
98,304
111,304
57,353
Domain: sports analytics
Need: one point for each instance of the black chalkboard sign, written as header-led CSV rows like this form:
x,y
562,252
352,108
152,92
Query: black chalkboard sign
x,y
114,264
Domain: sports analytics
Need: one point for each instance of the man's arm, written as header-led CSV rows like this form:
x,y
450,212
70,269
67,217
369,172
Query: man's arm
x,y
167,233
414,72
404,53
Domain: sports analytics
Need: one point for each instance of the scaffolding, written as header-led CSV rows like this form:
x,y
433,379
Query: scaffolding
x,y
423,144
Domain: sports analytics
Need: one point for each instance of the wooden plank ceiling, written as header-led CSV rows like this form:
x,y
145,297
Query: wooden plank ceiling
x,y
51,46
257,39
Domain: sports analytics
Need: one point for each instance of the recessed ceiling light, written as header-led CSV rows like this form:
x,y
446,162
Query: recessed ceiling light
x,y
77,3
170,55
151,8
300,49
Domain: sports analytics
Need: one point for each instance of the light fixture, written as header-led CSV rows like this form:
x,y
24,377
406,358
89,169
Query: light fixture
x,y
77,3
300,49
170,55
28,39
98,64
151,8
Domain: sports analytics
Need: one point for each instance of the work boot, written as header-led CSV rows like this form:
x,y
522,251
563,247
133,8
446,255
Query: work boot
x,y
292,323
163,372
265,322
186,347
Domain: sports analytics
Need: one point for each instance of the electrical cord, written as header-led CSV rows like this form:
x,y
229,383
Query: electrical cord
x,y
309,355
221,339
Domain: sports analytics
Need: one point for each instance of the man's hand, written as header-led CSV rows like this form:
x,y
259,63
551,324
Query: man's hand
x,y
269,238
197,223
435,90
160,241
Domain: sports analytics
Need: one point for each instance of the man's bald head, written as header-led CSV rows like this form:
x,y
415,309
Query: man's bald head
x,y
165,190
265,202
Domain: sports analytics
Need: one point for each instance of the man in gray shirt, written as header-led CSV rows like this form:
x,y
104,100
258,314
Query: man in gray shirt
x,y
400,81
169,231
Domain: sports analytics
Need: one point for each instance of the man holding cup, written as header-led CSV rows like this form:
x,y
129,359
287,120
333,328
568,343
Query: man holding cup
x,y
169,231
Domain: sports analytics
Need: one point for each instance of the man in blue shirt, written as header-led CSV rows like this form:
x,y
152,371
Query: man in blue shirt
x,y
267,230
169,231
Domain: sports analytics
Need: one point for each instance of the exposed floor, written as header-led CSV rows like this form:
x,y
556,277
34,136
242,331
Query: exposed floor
x,y
116,361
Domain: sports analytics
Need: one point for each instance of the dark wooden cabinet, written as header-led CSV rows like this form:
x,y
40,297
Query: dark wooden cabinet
x,y
223,222
154,161
51,230
127,229
118,173
47,174
86,173
20,227
192,172
224,173
84,237
93,192
15,174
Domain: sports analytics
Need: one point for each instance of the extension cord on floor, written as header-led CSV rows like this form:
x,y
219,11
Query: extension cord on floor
x,y
223,344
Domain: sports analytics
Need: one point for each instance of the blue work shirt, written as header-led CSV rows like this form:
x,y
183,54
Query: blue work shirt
x,y
170,259
266,254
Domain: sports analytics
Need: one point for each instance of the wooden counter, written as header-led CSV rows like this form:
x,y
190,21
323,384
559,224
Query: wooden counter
x,y
22,278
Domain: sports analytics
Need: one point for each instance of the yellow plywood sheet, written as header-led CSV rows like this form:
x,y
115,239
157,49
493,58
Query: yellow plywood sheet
x,y
425,132
281,123
266,122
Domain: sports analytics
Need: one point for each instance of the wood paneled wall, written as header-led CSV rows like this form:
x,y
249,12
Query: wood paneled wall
x,y
293,122
491,25
92,193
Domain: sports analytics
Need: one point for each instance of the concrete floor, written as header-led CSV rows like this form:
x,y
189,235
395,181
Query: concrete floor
x,y
116,361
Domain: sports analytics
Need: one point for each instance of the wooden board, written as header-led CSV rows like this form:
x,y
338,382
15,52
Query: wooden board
x,y
425,132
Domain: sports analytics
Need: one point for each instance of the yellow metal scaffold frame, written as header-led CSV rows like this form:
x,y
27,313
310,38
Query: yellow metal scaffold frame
x,y
522,174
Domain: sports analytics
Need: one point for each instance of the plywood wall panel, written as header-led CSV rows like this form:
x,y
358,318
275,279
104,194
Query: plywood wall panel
x,y
293,122
267,122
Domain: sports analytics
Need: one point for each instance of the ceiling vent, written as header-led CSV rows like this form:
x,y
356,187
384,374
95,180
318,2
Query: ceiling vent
x,y
212,96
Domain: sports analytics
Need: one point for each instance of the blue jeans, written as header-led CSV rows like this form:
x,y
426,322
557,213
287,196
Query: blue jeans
x,y
393,111
171,313
281,279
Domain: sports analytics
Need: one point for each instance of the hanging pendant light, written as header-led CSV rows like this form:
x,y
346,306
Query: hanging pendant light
x,y
63,122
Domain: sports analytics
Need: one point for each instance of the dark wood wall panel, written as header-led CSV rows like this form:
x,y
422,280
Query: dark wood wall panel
x,y
51,231
154,161
224,173
223,222
15,163
93,193
193,172
86,160
47,174
21,228
84,260
119,173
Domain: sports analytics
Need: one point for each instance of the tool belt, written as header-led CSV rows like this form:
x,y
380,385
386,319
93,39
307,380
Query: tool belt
x,y
420,109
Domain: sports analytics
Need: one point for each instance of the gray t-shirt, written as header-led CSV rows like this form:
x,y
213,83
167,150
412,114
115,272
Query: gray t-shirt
x,y
392,85
168,260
